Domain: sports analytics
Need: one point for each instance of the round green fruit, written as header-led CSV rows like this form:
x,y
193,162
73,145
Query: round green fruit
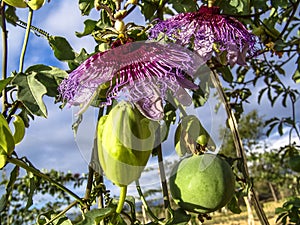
x,y
294,163
202,183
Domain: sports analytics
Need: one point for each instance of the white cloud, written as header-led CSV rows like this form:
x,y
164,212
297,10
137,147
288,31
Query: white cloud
x,y
63,18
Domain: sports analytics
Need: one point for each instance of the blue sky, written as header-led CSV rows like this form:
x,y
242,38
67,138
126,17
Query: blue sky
x,y
49,143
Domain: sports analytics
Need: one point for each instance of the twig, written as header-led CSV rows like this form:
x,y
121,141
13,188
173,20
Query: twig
x,y
36,172
89,186
4,56
25,42
163,179
145,204
62,212
295,7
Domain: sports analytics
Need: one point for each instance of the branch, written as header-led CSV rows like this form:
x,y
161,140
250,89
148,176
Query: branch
x,y
37,173
163,179
61,213
145,204
295,7
25,42
4,56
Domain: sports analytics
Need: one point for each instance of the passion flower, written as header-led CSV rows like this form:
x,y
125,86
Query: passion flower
x,y
207,30
140,72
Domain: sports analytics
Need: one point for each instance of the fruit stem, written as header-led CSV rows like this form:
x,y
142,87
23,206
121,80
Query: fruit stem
x,y
25,42
123,192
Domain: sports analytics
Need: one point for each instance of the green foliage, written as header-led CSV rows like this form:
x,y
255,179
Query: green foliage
x,y
276,25
34,83
61,48
187,133
289,213
23,188
95,216
251,130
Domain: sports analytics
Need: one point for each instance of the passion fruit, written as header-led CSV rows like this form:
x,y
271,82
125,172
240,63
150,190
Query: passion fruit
x,y
202,183
294,163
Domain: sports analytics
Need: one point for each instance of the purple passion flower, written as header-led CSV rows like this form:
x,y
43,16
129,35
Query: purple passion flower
x,y
140,72
207,30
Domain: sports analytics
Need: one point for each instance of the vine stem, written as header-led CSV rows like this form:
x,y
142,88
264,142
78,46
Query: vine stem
x,y
163,179
36,172
238,145
89,187
123,192
145,204
25,41
4,55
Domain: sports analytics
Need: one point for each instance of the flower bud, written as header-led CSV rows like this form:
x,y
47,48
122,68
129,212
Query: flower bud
x,y
119,25
125,142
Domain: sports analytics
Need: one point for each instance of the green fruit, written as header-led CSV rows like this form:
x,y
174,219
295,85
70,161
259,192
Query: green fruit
x,y
202,183
16,3
35,4
202,140
189,132
125,142
294,163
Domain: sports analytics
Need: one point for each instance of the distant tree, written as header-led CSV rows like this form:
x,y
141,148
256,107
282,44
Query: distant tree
x,y
250,127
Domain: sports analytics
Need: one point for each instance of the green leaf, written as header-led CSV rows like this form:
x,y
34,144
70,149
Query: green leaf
x,y
296,76
31,92
3,158
86,6
242,6
148,9
46,217
49,76
95,214
233,205
180,217
3,202
19,129
12,179
7,143
280,3
32,188
89,26
61,47
260,5
201,95
226,74
4,83
9,187
187,133
10,15
83,55
280,210
26,116
182,6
